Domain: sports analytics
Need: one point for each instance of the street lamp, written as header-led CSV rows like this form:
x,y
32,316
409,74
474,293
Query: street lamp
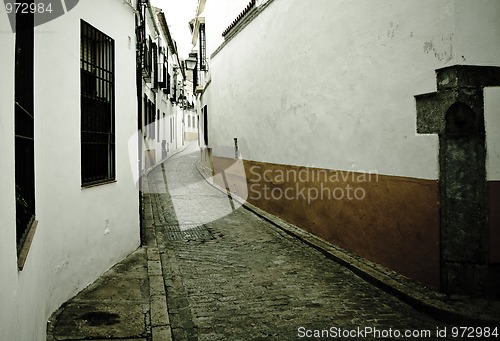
x,y
191,61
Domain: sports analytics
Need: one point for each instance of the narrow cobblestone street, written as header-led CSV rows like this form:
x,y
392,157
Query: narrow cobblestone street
x,y
240,278
250,170
211,269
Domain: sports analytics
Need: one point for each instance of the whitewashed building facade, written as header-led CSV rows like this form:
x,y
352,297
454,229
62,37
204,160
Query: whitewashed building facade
x,y
163,77
69,208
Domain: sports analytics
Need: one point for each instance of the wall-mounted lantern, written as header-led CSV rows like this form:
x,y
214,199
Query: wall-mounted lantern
x,y
191,62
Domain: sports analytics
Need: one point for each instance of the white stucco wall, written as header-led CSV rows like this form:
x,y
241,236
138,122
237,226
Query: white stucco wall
x,y
492,127
8,265
478,43
81,232
477,34
342,83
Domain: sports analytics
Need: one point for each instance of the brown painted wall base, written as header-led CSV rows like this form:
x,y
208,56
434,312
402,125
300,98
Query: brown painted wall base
x,y
391,220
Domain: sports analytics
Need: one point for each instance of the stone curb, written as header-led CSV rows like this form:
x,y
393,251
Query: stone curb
x,y
459,311
160,322
161,329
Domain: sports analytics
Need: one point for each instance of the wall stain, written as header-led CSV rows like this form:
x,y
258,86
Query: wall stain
x,y
392,31
312,120
284,100
441,48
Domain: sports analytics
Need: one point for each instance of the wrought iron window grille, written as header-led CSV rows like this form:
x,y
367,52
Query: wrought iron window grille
x,y
24,126
97,77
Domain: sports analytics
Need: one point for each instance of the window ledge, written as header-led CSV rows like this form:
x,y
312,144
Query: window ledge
x,y
25,247
102,183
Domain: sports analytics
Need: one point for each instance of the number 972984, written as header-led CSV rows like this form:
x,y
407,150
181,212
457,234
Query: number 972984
x,y
475,332
28,7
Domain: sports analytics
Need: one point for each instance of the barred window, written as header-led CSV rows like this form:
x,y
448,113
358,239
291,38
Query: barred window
x,y
97,106
154,60
151,115
162,70
203,49
146,59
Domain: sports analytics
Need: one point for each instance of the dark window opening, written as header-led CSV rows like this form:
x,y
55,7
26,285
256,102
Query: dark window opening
x,y
195,78
174,91
146,115
97,106
24,125
168,83
154,52
162,68
146,59
205,125
149,118
158,125
167,89
203,49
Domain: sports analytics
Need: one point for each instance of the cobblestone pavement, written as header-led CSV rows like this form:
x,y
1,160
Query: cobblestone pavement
x,y
240,278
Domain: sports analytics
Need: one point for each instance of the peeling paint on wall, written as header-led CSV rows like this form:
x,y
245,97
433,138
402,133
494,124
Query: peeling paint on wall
x,y
441,48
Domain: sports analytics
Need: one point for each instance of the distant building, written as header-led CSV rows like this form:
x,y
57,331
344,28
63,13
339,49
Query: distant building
x,y
371,124
190,115
69,208
162,85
